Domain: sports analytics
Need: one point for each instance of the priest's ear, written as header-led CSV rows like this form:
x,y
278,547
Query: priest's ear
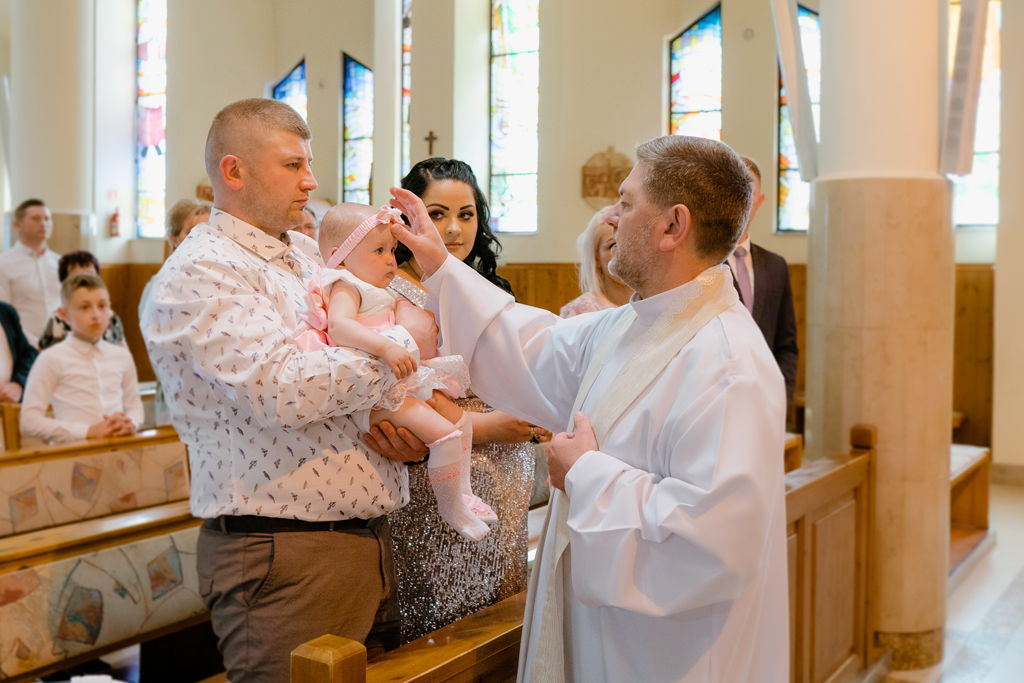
x,y
678,229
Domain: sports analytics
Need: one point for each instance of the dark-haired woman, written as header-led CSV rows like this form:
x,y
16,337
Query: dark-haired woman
x,y
73,263
441,577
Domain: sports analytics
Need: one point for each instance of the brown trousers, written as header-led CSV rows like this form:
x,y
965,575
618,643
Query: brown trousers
x,y
269,593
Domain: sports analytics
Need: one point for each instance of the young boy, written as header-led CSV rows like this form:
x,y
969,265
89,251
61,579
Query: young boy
x,y
90,383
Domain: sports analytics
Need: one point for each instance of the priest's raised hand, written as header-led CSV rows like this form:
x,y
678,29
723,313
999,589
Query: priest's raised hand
x,y
422,238
565,449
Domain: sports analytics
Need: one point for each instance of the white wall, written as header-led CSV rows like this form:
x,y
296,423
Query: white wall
x,y
603,66
1007,426
321,30
113,179
217,52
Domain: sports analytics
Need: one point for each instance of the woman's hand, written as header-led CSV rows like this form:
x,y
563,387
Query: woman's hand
x,y
400,361
423,239
499,427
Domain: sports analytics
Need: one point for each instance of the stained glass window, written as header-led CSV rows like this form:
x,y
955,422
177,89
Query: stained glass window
x,y
976,196
406,82
795,194
292,89
151,116
515,80
695,82
357,131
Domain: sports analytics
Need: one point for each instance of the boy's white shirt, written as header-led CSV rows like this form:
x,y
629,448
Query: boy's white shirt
x,y
83,382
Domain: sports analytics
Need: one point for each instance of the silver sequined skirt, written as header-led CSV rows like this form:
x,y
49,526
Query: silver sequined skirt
x,y
442,577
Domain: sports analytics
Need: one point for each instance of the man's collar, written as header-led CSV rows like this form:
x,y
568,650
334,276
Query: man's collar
x,y
648,310
30,251
249,236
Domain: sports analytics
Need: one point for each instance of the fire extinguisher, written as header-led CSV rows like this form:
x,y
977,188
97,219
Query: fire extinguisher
x,y
115,223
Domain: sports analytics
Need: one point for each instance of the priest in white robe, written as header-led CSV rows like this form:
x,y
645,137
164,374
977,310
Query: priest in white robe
x,y
664,551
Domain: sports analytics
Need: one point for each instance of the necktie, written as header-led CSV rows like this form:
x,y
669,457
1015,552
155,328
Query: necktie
x,y
743,279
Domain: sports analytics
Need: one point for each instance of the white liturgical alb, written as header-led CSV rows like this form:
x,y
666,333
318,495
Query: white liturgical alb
x,y
675,568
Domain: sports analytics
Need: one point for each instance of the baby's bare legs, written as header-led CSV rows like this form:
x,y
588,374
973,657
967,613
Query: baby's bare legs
x,y
449,462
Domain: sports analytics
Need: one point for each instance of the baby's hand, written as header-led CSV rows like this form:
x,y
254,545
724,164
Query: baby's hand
x,y
401,363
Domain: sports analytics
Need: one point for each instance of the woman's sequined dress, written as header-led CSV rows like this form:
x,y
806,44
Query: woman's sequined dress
x,y
442,577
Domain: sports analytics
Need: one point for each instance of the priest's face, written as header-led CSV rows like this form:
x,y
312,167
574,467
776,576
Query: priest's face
x,y
634,217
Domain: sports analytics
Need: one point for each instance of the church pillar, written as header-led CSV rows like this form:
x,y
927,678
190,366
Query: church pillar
x,y
52,102
880,299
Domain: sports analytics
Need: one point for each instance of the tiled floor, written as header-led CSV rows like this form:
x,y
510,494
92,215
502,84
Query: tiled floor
x,y
985,610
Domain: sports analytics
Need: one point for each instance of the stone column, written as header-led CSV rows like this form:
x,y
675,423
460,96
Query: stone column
x,y
880,299
52,103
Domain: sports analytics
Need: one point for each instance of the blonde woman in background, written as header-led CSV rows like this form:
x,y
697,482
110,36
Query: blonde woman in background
x,y
600,288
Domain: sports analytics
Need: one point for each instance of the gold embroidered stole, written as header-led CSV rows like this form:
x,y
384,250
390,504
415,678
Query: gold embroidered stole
x,y
709,295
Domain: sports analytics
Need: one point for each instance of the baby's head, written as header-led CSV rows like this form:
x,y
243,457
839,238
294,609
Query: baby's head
x,y
371,259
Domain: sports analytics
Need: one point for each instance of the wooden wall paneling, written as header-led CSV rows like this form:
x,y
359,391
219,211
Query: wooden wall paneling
x,y
545,285
125,281
834,556
973,352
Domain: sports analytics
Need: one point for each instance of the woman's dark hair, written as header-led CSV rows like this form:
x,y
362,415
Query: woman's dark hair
x,y
76,258
483,258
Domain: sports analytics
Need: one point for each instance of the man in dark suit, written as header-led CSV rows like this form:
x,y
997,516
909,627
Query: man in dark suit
x,y
762,280
16,355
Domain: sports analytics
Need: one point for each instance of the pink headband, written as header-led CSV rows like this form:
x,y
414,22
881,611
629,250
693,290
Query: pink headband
x,y
386,216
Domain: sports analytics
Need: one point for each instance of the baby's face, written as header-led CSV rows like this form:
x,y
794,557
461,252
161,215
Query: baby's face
x,y
373,259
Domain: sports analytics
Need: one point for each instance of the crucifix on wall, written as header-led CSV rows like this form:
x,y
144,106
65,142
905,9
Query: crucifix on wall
x,y
431,139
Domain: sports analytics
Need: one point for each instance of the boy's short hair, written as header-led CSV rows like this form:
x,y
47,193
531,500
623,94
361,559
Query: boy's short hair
x,y
77,282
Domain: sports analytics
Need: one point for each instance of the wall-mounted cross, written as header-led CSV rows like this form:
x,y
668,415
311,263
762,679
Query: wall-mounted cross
x,y
431,139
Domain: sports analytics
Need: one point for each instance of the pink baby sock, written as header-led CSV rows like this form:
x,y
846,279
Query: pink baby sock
x,y
481,509
444,469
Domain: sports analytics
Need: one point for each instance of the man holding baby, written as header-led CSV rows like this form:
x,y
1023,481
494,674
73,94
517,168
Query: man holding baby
x,y
293,544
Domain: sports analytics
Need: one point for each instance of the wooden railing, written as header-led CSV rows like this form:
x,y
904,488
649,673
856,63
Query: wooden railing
x,y
828,527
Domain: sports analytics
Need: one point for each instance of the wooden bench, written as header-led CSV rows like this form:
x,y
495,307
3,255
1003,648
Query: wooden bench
x,y
91,587
10,414
87,569
828,527
68,482
793,453
969,474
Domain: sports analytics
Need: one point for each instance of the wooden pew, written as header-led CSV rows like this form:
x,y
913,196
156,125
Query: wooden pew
x,y
828,527
61,483
10,415
84,570
969,474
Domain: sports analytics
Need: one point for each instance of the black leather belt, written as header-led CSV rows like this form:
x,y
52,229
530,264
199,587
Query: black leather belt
x,y
253,524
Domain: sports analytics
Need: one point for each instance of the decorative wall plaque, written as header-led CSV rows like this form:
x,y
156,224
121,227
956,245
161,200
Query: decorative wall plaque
x,y
602,175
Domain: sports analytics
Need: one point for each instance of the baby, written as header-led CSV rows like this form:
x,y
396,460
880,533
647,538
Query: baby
x,y
349,306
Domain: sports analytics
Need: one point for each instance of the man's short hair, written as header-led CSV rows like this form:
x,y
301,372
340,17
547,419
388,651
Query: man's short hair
x,y
76,258
19,213
267,114
77,282
709,178
752,167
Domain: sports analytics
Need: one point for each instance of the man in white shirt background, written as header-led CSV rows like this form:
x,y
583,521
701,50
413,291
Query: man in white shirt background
x,y
90,382
294,543
28,270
